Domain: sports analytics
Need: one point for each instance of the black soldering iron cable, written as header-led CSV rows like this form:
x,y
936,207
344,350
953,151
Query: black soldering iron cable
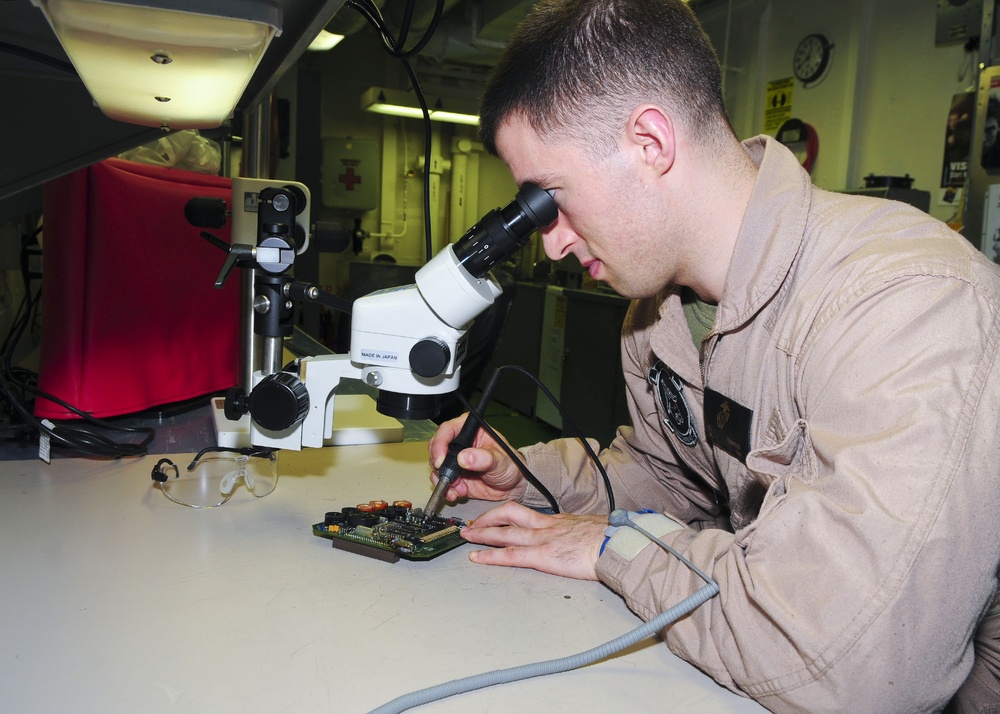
x,y
479,415
568,421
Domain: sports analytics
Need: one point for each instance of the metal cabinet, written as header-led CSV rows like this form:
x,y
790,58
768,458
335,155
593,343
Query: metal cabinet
x,y
592,387
571,340
519,345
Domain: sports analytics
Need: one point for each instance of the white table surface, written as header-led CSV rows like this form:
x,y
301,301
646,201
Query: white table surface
x,y
114,599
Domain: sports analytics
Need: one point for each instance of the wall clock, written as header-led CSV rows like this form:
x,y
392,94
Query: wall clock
x,y
812,57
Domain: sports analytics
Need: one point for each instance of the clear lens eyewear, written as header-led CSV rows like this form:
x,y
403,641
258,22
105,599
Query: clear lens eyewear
x,y
212,477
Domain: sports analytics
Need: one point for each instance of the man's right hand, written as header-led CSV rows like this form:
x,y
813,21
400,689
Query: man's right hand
x,y
488,473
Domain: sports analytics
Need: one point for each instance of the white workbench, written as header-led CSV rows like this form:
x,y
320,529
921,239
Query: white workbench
x,y
114,599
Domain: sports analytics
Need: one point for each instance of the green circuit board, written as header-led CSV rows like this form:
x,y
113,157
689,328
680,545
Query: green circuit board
x,y
389,532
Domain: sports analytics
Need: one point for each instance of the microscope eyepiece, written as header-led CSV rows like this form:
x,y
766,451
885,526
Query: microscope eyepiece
x,y
537,204
504,231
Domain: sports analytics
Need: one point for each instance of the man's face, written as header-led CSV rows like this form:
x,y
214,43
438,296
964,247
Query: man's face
x,y
607,217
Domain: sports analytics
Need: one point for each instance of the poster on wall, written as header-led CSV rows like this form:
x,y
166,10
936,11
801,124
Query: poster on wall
x,y
957,143
778,104
957,140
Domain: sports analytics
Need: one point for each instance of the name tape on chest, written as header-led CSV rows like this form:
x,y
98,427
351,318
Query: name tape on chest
x,y
727,424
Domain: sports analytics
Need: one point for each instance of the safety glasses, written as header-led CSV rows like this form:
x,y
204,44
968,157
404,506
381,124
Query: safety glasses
x,y
212,477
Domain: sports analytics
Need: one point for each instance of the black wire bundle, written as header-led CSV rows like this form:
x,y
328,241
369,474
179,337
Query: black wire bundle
x,y
18,391
39,57
395,47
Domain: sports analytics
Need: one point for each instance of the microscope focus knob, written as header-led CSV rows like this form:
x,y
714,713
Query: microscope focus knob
x,y
279,401
235,404
429,357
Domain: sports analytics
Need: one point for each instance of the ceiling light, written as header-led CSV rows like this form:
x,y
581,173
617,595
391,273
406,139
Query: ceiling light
x,y
175,64
404,104
324,41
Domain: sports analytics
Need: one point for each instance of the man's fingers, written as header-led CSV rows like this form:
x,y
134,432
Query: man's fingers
x,y
511,557
511,514
505,536
477,459
560,544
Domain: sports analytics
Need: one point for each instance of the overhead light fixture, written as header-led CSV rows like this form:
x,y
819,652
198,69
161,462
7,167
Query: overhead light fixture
x,y
324,41
175,64
404,104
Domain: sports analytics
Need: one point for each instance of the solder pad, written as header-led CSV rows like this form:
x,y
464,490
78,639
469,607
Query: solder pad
x,y
390,532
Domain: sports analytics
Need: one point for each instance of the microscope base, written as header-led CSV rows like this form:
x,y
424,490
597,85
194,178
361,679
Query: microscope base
x,y
229,434
355,421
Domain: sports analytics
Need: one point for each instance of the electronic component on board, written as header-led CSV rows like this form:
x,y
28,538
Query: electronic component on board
x,y
389,532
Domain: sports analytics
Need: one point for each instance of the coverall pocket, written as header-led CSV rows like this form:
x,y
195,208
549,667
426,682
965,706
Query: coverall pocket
x,y
768,471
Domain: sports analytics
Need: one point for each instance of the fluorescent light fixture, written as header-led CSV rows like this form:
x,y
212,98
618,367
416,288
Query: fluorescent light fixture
x,y
324,41
404,104
175,64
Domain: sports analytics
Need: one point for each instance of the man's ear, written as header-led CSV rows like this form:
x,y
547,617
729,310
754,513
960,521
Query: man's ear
x,y
651,130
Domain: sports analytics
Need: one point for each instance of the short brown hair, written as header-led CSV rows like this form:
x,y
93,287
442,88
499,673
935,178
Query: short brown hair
x,y
583,65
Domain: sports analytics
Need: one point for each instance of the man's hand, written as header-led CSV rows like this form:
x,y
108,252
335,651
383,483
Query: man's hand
x,y
490,475
561,544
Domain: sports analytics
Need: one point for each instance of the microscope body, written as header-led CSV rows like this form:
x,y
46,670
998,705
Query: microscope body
x,y
408,342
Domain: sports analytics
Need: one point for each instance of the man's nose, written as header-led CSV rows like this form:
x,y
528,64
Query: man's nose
x,y
558,240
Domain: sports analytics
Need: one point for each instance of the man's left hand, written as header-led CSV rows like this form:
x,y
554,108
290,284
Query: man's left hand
x,y
561,544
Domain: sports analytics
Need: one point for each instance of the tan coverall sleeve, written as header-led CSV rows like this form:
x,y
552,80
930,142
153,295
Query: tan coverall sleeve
x,y
860,584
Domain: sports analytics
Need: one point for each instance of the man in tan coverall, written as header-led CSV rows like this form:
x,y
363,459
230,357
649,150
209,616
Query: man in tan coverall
x,y
827,449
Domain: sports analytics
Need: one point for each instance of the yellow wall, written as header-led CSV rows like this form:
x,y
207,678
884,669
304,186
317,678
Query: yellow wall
x,y
883,104
880,109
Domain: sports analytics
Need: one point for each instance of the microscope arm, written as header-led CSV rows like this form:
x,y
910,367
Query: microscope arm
x,y
310,293
299,407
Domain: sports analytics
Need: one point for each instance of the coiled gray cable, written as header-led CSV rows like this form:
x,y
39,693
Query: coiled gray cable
x,y
618,517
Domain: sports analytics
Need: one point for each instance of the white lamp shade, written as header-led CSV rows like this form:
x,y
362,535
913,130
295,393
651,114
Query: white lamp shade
x,y
159,66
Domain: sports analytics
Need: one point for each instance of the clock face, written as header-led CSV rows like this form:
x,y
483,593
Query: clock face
x,y
811,58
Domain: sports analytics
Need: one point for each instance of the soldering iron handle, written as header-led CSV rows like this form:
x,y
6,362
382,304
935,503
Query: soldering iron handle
x,y
466,437
450,470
